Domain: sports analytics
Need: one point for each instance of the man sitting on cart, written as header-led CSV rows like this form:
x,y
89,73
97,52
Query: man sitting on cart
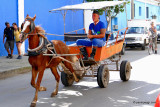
x,y
96,37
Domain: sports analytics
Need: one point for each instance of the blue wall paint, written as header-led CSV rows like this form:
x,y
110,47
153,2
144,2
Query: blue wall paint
x,y
121,17
9,13
153,10
53,22
137,5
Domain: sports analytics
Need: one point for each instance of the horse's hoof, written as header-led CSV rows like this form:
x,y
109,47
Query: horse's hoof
x,y
42,89
53,94
77,80
33,104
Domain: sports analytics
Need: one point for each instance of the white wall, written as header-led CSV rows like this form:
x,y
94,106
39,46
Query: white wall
x,y
21,19
87,19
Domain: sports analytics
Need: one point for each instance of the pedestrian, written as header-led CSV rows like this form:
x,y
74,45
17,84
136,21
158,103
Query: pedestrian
x,y
17,32
153,34
9,43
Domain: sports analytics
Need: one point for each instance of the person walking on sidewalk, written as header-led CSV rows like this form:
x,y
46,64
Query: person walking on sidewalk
x,y
96,37
153,34
9,43
17,32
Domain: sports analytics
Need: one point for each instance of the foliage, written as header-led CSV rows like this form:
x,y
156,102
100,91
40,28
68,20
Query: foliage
x,y
111,12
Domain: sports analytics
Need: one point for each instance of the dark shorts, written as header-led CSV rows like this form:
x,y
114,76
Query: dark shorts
x,y
18,42
9,44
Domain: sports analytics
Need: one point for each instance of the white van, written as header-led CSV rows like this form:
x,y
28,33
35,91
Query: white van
x,y
137,33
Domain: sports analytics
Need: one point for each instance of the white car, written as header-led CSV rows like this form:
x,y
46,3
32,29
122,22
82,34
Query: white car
x,y
137,33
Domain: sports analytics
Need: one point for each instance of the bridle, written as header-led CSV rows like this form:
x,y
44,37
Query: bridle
x,y
32,27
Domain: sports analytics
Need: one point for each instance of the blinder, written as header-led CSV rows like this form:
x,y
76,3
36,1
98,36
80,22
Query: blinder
x,y
32,26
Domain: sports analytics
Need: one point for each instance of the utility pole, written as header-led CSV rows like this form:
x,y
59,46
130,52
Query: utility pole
x,y
132,9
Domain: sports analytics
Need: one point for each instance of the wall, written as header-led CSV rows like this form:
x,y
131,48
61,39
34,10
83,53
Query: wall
x,y
53,22
143,12
153,10
9,13
120,19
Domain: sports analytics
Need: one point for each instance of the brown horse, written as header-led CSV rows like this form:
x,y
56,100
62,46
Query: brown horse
x,y
39,62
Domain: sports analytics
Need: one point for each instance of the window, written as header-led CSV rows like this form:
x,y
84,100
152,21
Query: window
x,y
140,11
158,27
147,12
136,30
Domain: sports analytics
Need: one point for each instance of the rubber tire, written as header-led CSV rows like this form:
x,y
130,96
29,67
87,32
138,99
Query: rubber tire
x,y
125,70
123,50
65,79
100,76
132,47
144,45
113,56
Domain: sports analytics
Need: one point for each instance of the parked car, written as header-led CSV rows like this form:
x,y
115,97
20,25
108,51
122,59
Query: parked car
x,y
137,33
158,31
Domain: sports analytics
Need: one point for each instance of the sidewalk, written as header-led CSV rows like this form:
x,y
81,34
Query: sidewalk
x,y
11,67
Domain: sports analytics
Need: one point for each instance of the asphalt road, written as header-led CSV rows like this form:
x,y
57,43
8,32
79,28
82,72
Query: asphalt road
x,y
140,91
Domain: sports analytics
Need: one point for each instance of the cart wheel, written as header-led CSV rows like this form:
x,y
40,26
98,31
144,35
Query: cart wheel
x,y
144,45
123,50
103,76
67,80
125,70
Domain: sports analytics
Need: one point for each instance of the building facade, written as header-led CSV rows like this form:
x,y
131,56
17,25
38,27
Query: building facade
x,y
142,9
16,10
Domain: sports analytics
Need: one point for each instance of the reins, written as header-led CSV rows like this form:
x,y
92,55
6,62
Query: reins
x,y
55,34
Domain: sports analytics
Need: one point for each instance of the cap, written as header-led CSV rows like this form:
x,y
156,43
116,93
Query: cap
x,y
95,12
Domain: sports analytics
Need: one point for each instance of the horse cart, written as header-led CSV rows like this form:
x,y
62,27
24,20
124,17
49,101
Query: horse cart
x,y
103,57
50,54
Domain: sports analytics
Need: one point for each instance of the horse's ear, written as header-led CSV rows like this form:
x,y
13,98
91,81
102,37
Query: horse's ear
x,y
27,15
34,17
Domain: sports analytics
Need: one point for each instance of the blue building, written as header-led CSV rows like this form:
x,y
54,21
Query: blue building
x,y
142,9
16,10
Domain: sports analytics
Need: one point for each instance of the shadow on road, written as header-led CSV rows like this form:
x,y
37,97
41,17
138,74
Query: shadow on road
x,y
117,94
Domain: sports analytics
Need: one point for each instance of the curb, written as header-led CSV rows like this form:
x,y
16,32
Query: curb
x,y
14,72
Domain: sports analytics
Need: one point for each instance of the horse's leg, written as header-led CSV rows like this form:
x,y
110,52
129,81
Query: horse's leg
x,y
69,66
34,75
40,75
57,77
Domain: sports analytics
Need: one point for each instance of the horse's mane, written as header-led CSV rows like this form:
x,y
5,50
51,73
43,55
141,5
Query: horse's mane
x,y
39,29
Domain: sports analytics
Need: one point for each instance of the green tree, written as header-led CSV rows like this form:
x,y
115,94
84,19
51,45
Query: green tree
x,y
111,12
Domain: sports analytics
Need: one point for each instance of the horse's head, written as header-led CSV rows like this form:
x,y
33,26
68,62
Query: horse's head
x,y
28,27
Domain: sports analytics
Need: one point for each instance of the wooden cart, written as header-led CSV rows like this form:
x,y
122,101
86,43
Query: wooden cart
x,y
99,67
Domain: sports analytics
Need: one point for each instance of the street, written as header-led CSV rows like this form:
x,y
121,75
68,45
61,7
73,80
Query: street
x,y
140,91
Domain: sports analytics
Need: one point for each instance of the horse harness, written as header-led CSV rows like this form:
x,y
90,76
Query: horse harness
x,y
32,26
44,44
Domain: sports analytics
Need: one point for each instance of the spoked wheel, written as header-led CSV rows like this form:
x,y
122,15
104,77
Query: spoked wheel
x,y
67,80
125,70
103,76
